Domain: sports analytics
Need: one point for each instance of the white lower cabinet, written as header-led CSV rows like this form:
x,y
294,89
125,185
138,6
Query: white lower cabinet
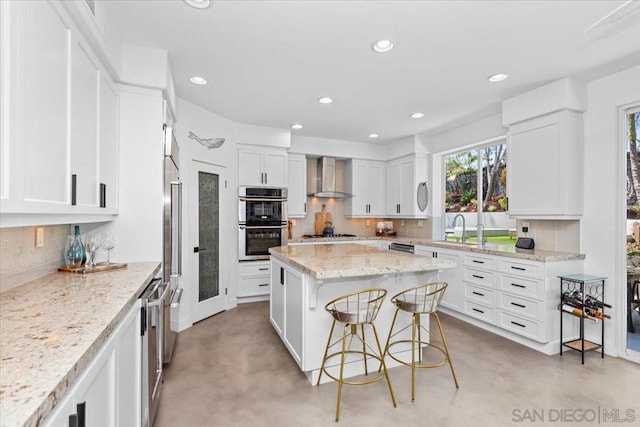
x,y
453,295
253,279
110,387
516,295
286,307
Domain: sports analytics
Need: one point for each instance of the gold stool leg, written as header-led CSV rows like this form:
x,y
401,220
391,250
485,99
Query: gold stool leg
x,y
386,346
384,366
446,349
326,351
340,381
364,350
415,322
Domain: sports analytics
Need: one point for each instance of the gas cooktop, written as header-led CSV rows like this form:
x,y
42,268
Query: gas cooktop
x,y
315,236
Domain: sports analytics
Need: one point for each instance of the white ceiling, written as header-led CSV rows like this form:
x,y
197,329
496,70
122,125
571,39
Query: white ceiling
x,y
268,62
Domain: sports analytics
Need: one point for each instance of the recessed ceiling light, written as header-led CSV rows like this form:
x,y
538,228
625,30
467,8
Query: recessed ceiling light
x,y
296,126
198,4
382,46
373,135
417,115
497,77
325,100
196,80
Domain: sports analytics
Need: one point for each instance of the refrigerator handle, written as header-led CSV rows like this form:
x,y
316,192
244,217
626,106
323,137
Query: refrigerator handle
x,y
176,228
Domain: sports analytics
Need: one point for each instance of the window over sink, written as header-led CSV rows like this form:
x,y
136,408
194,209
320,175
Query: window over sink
x,y
475,186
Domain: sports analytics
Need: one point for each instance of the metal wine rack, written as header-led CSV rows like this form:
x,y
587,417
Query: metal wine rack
x,y
587,291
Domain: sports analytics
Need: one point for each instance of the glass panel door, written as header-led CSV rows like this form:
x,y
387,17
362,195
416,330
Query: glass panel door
x,y
207,189
209,235
632,143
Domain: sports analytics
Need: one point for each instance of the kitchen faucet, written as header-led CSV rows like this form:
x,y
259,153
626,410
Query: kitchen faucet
x,y
480,235
464,227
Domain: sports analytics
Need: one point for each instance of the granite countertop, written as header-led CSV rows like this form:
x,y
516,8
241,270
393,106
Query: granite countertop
x,y
489,248
353,260
52,327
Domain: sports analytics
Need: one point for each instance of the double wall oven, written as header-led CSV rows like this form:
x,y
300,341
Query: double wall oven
x,y
262,221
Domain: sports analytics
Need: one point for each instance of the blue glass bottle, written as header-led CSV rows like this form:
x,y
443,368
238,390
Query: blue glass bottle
x,y
75,255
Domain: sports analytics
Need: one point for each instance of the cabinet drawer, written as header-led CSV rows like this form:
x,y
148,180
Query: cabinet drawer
x,y
479,311
484,296
524,327
479,277
257,268
523,287
521,306
250,286
479,261
521,269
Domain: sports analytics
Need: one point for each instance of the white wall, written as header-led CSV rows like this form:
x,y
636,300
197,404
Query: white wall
x,y
468,133
603,225
337,148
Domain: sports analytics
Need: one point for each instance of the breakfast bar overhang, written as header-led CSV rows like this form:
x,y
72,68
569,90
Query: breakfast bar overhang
x,y
305,278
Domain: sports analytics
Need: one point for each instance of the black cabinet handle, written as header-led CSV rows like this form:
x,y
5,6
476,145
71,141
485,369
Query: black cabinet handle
x,y
73,189
282,276
103,195
518,324
477,277
478,262
73,420
518,286
263,269
198,249
477,293
479,311
81,408
305,207
518,305
518,268
263,284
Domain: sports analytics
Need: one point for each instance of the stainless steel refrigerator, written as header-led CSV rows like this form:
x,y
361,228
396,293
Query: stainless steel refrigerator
x,y
172,242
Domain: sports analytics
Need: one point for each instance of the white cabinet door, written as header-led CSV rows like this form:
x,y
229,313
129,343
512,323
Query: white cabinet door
x,y
276,300
545,160
293,310
297,186
275,168
108,142
250,167
407,172
128,370
377,189
43,86
452,298
356,175
85,76
394,188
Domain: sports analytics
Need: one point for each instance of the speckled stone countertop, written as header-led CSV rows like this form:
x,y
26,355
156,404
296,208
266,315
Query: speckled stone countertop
x,y
51,328
352,260
489,248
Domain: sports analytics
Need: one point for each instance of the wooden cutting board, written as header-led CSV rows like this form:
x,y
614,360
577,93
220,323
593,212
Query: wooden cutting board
x,y
321,218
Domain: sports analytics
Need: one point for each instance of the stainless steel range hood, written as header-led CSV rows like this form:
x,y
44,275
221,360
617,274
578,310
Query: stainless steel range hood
x,y
326,175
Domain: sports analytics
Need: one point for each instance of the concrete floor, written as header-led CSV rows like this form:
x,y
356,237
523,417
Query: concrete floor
x,y
233,370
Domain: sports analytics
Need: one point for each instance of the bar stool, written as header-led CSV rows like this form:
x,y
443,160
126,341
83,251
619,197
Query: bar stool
x,y
351,311
424,299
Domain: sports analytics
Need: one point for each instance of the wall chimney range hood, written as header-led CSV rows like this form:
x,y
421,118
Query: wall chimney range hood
x,y
326,178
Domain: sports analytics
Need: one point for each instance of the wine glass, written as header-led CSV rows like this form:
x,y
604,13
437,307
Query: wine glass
x,y
108,242
92,243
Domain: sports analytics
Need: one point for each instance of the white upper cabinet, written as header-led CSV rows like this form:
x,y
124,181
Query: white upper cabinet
x,y
59,120
404,176
263,167
365,179
545,167
297,186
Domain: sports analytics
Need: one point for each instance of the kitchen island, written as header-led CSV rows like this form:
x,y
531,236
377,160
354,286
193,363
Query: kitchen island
x,y
304,278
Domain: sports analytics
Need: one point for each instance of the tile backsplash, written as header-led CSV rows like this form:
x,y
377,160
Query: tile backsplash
x,y
21,261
